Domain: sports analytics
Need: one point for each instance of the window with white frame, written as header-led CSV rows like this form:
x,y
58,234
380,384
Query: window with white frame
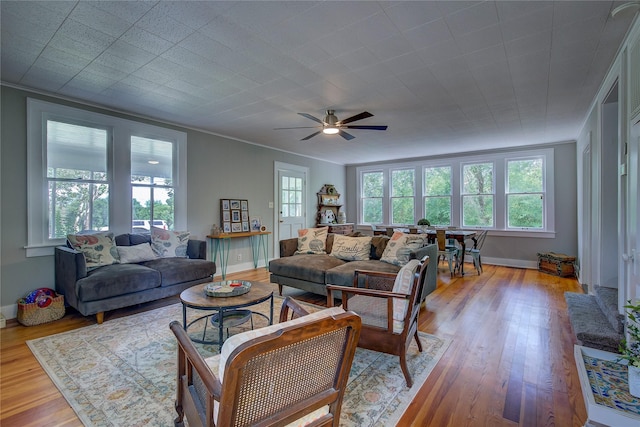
x,y
437,195
372,193
403,196
509,192
478,195
89,172
291,196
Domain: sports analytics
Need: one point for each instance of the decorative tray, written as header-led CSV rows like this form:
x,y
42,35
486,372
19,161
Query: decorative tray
x,y
227,288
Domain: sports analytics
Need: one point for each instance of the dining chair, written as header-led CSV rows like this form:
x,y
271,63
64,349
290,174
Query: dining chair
x,y
474,250
446,251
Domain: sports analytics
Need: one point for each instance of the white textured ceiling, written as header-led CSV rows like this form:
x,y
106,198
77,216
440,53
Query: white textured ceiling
x,y
446,77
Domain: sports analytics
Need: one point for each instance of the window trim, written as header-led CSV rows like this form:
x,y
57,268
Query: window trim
x,y
118,163
499,159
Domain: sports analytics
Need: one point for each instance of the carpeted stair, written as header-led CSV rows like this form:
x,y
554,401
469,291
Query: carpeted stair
x,y
595,318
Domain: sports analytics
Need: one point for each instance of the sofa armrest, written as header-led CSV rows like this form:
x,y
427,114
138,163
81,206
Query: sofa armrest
x,y
288,247
431,281
70,266
197,249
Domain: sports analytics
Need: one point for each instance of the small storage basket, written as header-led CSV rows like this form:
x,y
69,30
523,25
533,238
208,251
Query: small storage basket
x,y
31,314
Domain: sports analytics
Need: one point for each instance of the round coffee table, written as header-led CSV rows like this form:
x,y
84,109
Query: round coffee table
x,y
227,310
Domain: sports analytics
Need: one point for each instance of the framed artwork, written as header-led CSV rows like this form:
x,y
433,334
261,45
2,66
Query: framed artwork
x,y
234,215
255,223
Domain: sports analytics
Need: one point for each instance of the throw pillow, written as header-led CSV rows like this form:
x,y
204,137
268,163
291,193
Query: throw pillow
x,y
98,248
136,253
400,247
312,240
402,285
169,244
351,248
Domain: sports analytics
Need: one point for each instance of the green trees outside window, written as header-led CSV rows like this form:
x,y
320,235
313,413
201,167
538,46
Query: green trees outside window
x,y
525,196
403,196
477,195
372,192
437,195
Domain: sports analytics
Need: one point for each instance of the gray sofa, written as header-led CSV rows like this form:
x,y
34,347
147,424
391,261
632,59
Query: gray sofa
x,y
121,285
312,272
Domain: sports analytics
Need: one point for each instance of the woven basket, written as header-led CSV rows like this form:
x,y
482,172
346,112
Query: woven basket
x,y
31,314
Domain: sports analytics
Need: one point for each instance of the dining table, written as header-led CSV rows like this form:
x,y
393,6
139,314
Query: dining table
x,y
461,235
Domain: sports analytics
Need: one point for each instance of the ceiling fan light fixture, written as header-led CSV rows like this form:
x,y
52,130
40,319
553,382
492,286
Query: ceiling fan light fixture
x,y
330,130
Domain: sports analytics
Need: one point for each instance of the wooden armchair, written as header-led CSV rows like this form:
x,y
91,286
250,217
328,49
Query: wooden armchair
x,y
296,370
388,305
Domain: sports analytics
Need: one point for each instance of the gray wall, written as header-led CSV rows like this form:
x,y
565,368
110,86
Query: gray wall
x,y
522,251
217,168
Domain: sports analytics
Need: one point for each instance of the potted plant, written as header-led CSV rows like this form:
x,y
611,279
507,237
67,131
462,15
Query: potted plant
x,y
424,223
630,350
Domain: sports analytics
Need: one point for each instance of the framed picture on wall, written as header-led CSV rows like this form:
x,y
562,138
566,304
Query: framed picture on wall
x,y
234,215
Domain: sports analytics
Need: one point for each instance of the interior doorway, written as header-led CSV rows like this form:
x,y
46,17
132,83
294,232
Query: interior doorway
x,y
291,202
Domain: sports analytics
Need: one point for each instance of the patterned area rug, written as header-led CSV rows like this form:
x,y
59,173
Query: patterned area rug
x,y
122,373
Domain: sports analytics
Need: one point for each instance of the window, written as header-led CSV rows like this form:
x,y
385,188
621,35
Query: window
x,y
477,195
510,193
402,196
291,196
152,182
87,171
372,193
437,195
525,193
77,180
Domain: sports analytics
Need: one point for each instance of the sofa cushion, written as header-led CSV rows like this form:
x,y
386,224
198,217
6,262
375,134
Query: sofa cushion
x,y
115,280
310,267
180,270
400,246
99,249
169,244
343,274
132,239
136,253
312,240
378,245
351,248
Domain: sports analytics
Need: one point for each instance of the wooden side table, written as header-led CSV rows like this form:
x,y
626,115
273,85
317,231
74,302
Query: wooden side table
x,y
605,389
220,244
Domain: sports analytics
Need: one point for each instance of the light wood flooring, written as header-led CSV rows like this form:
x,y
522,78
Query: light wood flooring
x,y
510,362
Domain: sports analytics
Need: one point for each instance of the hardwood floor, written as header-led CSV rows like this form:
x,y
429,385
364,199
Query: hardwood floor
x,y
510,361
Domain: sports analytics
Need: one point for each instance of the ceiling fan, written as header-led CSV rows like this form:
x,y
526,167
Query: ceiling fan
x,y
331,125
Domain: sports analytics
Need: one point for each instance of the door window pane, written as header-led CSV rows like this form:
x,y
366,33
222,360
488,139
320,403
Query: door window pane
x,y
291,197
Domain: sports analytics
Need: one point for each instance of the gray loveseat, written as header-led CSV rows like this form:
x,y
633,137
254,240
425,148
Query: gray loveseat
x,y
312,272
115,286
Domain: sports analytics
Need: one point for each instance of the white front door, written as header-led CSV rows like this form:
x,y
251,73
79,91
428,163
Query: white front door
x,y
292,201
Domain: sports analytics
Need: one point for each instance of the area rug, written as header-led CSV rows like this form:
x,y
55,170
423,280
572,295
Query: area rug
x,y
122,372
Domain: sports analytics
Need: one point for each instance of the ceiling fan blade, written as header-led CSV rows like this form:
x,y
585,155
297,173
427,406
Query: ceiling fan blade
x,y
310,136
345,135
309,116
363,115
299,127
366,127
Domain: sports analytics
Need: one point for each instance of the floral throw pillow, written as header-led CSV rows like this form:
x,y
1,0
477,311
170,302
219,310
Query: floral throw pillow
x,y
312,240
400,247
99,248
169,244
351,248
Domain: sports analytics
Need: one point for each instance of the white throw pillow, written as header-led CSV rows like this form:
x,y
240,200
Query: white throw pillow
x,y
312,240
402,285
351,248
169,244
136,253
98,248
400,247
